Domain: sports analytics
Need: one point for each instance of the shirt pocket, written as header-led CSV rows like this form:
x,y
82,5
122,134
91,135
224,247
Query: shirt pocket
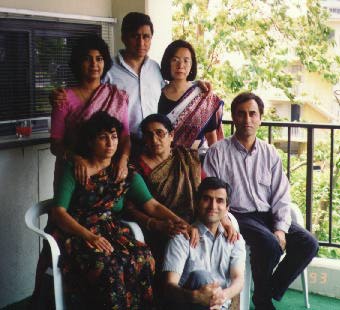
x,y
264,178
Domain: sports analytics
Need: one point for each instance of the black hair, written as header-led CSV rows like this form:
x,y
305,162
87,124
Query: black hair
x,y
133,21
213,183
244,97
156,118
90,129
81,49
170,52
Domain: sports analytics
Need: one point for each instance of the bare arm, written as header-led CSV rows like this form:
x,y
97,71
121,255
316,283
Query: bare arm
x,y
68,224
80,167
229,230
211,137
200,296
176,225
122,165
155,209
220,296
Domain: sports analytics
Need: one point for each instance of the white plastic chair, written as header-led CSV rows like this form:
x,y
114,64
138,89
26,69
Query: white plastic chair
x,y
246,291
31,219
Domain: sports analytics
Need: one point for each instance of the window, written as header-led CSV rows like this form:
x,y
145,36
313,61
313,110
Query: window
x,y
34,57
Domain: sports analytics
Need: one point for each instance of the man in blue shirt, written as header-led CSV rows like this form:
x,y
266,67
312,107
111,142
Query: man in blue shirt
x,y
261,203
209,275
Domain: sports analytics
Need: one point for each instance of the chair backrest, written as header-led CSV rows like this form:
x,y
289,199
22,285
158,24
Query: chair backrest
x,y
296,214
31,219
34,212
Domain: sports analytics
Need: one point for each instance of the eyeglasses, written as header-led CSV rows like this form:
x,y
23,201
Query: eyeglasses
x,y
159,133
178,61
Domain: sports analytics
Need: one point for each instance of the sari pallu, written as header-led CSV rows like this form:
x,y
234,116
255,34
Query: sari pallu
x,y
107,98
95,280
193,113
66,127
174,182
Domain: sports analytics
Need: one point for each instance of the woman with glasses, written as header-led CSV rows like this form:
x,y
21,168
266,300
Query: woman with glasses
x,y
172,176
104,267
193,114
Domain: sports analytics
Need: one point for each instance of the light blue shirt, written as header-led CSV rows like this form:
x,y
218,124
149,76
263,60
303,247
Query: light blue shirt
x,y
214,254
256,177
143,90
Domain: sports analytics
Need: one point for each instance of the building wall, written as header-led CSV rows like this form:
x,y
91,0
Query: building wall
x,y
100,8
26,174
310,115
160,13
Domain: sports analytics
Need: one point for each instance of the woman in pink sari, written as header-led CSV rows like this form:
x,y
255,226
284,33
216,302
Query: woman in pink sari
x,y
194,115
90,60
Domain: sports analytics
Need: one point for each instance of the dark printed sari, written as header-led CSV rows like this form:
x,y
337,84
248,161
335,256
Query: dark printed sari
x,y
119,281
174,182
192,113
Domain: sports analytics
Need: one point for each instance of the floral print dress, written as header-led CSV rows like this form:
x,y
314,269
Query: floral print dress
x,y
121,280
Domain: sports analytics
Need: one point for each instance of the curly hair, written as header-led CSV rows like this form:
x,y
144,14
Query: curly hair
x,y
81,49
90,129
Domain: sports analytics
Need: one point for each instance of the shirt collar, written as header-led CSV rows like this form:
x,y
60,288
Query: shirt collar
x,y
203,230
241,148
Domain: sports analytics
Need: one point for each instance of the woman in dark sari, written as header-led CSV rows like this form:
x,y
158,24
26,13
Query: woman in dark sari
x,y
195,116
172,174
104,267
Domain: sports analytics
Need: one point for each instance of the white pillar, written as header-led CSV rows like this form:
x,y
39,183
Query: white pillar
x,y
161,16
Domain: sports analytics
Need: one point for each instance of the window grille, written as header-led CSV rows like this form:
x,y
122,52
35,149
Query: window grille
x,y
34,56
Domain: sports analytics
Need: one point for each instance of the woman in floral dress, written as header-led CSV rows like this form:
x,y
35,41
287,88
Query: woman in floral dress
x,y
104,267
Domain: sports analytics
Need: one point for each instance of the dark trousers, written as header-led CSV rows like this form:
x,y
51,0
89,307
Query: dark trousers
x,y
265,253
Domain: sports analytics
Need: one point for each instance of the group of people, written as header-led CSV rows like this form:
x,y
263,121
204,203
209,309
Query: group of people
x,y
127,141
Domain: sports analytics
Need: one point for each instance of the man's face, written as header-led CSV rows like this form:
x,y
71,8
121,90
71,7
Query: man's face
x,y
212,205
247,119
137,44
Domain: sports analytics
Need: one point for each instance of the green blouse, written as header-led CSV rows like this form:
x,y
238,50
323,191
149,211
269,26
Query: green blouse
x,y
138,192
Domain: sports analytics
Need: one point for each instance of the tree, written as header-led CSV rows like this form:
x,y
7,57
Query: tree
x,y
249,44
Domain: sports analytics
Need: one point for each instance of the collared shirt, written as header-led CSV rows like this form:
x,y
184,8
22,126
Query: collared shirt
x,y
256,177
143,90
214,254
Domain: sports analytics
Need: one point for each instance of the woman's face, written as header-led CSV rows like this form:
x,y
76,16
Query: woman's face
x,y
157,138
180,64
92,65
105,145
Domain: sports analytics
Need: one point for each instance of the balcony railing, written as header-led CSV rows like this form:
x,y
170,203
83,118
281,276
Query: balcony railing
x,y
290,133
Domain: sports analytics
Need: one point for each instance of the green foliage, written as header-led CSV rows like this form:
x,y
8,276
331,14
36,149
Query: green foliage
x,y
248,44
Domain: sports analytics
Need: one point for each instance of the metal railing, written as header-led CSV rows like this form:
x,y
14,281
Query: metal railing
x,y
293,128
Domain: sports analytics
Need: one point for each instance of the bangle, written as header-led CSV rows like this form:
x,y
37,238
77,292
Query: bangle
x,y
148,222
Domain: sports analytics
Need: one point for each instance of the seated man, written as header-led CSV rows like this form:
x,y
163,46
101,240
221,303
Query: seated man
x,y
260,203
208,276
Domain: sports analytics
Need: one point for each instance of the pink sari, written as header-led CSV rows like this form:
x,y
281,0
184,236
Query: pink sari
x,y
193,113
65,120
